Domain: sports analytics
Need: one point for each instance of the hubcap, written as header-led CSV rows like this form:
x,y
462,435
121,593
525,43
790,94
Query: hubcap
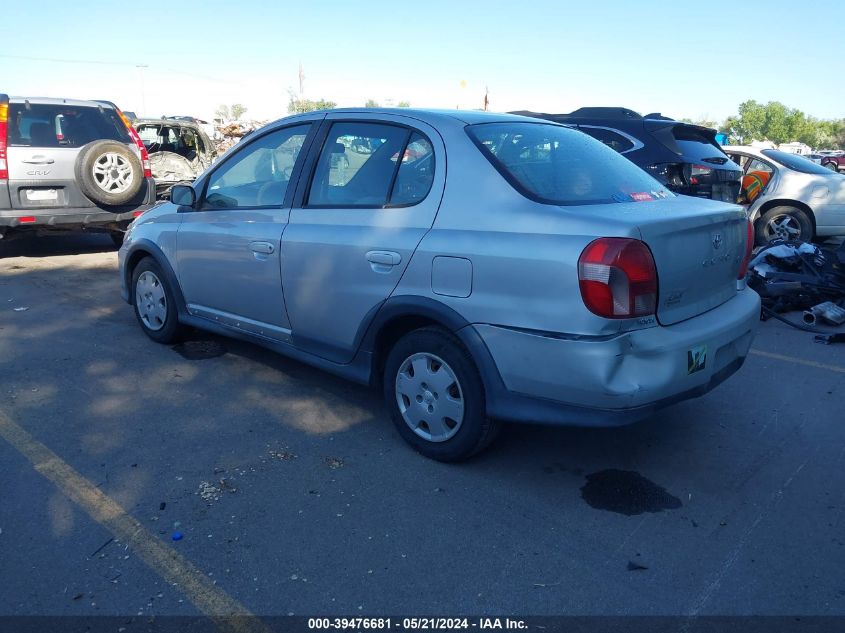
x,y
784,227
112,173
150,301
429,396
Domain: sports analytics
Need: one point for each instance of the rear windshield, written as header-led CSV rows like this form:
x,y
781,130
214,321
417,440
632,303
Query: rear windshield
x,y
43,125
796,163
697,145
558,165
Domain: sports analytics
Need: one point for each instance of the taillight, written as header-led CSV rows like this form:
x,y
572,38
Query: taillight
x,y
698,173
749,246
4,128
145,156
618,278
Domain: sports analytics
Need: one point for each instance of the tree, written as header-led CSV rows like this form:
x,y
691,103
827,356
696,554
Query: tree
x,y
298,106
702,122
371,103
404,104
229,113
779,123
237,110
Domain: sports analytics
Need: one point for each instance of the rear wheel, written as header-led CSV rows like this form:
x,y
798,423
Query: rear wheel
x,y
832,166
786,223
155,305
435,395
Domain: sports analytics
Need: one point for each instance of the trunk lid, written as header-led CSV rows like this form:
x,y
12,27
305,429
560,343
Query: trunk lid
x,y
698,247
694,275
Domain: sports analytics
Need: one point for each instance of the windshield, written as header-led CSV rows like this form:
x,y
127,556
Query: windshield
x,y
558,165
795,162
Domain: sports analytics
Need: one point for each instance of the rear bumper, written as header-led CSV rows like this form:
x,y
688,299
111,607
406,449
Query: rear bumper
x,y
86,217
609,382
74,217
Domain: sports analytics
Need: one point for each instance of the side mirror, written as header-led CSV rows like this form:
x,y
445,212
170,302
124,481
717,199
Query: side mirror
x,y
183,196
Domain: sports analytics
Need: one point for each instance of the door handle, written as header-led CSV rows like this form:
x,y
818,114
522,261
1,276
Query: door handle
x,y
39,160
384,258
265,248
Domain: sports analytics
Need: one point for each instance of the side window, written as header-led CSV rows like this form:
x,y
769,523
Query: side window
x,y
358,165
416,173
755,164
609,138
257,175
756,178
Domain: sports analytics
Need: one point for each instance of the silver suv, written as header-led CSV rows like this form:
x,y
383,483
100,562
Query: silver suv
x,y
478,267
70,165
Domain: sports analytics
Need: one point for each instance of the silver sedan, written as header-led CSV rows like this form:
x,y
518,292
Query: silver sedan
x,y
788,196
477,267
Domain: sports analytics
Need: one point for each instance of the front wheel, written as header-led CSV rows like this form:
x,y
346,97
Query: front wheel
x,y
155,305
435,396
785,223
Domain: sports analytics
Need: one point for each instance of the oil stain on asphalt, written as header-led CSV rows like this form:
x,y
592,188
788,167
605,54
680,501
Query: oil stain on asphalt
x,y
626,492
199,350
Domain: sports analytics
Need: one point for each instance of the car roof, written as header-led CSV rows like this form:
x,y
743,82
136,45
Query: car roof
x,y
59,101
434,116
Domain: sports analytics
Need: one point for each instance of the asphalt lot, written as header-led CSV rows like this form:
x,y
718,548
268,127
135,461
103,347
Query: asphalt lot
x,y
294,494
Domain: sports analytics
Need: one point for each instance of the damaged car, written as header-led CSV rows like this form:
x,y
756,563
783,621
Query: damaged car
x,y
179,150
476,267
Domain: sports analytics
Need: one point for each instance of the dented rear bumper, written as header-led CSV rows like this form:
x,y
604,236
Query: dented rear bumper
x,y
617,380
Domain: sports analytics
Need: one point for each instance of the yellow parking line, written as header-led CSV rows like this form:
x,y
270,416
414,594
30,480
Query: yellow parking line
x,y
227,613
798,361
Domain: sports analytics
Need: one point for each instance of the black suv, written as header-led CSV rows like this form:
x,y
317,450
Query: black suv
x,y
70,165
682,156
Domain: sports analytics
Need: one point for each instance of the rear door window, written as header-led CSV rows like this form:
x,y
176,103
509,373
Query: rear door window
x,y
554,164
47,125
612,139
371,165
416,172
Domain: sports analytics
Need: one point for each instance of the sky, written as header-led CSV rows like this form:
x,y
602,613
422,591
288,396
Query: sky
x,y
697,60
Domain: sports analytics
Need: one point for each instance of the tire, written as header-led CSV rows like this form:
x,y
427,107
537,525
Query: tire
x,y
160,321
832,166
788,223
108,172
454,387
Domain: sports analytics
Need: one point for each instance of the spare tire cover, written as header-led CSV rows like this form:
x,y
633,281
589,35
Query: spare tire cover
x,y
109,172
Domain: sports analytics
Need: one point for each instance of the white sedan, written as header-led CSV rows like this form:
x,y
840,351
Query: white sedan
x,y
789,196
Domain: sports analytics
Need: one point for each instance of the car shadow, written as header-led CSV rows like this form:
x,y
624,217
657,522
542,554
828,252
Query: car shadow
x,y
55,244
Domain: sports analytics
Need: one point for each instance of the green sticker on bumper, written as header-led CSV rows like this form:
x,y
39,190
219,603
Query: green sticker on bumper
x,y
696,358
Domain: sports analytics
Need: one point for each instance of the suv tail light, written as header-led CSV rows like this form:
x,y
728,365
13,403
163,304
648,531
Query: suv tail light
x,y
145,156
699,173
618,278
749,246
4,129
